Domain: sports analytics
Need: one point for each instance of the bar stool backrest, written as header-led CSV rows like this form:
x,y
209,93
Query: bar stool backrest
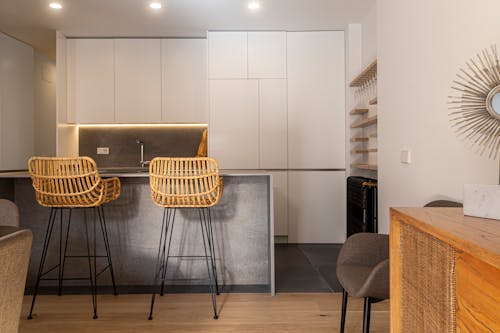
x,y
185,182
66,182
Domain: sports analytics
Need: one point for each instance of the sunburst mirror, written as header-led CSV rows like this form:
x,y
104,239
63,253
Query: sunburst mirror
x,y
475,105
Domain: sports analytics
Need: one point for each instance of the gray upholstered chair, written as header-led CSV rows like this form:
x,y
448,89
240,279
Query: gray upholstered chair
x,y
443,203
9,214
15,247
363,271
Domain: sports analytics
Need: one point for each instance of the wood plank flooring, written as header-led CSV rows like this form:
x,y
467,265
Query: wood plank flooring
x,y
239,313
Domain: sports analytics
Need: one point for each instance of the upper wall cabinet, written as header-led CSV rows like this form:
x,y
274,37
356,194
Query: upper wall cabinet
x,y
316,100
227,54
242,55
184,72
138,80
91,80
267,55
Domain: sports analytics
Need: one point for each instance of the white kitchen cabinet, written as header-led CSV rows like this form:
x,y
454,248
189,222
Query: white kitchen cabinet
x,y
184,88
91,80
316,100
267,55
273,124
316,207
234,123
227,55
16,103
138,80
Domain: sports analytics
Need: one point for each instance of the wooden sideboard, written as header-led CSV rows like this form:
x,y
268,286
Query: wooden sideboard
x,y
445,271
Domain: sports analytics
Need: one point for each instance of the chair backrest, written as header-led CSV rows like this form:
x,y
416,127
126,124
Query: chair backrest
x,y
185,182
15,248
65,181
9,213
443,203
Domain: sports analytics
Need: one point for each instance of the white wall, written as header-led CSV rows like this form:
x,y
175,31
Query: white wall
x,y
369,34
45,106
421,45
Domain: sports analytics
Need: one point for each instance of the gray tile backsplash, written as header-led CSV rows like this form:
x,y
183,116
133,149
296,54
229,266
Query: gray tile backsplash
x,y
172,141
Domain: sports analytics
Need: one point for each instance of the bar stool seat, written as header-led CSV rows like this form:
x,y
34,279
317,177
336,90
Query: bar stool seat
x,y
73,183
192,183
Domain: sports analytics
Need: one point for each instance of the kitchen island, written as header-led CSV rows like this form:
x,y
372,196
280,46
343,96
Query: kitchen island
x,y
243,235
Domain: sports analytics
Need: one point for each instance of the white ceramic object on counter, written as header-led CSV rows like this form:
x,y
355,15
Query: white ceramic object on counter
x,y
482,201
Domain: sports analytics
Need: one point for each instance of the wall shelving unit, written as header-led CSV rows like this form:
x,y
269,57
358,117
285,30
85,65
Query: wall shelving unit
x,y
364,120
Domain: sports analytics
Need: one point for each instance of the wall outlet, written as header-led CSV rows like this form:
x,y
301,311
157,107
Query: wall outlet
x,y
102,150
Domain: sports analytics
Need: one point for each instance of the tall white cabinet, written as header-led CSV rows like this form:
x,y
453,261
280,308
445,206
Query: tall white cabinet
x,y
16,103
277,105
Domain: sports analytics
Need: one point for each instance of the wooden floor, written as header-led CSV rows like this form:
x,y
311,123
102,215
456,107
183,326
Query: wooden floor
x,y
239,313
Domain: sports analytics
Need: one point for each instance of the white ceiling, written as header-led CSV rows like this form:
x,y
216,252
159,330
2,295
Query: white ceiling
x,y
33,22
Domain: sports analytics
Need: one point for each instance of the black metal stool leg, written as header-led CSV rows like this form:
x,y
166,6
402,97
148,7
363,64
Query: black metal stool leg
x,y
212,249
344,310
59,284
208,259
91,274
104,230
366,315
46,242
170,226
65,251
161,254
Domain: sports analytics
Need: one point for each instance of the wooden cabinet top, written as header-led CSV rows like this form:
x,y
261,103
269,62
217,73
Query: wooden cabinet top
x,y
477,236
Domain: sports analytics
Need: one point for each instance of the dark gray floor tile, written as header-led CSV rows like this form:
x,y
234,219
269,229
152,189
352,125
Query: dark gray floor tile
x,y
321,254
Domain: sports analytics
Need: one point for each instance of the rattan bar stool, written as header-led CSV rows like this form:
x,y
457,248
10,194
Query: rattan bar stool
x,y
185,183
73,183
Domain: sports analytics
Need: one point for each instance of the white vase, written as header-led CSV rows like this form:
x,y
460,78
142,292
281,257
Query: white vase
x,y
482,201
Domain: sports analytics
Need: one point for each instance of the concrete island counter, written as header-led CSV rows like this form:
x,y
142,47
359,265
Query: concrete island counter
x,y
243,236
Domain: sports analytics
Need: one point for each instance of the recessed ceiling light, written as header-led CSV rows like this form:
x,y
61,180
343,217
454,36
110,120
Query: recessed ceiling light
x,y
155,5
254,5
55,5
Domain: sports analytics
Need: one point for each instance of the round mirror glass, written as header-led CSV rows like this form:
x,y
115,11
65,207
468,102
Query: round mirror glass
x,y
495,103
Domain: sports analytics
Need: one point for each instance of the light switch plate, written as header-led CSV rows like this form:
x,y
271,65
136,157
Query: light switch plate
x,y
102,150
405,156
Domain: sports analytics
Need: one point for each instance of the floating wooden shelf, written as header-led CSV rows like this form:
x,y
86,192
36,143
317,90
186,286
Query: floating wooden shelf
x,y
364,166
360,139
367,74
373,101
364,151
364,122
359,111
373,135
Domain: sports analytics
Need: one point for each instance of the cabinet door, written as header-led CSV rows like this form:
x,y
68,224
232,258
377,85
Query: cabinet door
x,y
91,80
267,55
227,55
138,80
184,80
316,207
234,123
17,103
316,100
273,124
280,188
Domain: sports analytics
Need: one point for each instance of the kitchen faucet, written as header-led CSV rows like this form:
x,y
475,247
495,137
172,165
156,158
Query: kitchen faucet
x,y
142,163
